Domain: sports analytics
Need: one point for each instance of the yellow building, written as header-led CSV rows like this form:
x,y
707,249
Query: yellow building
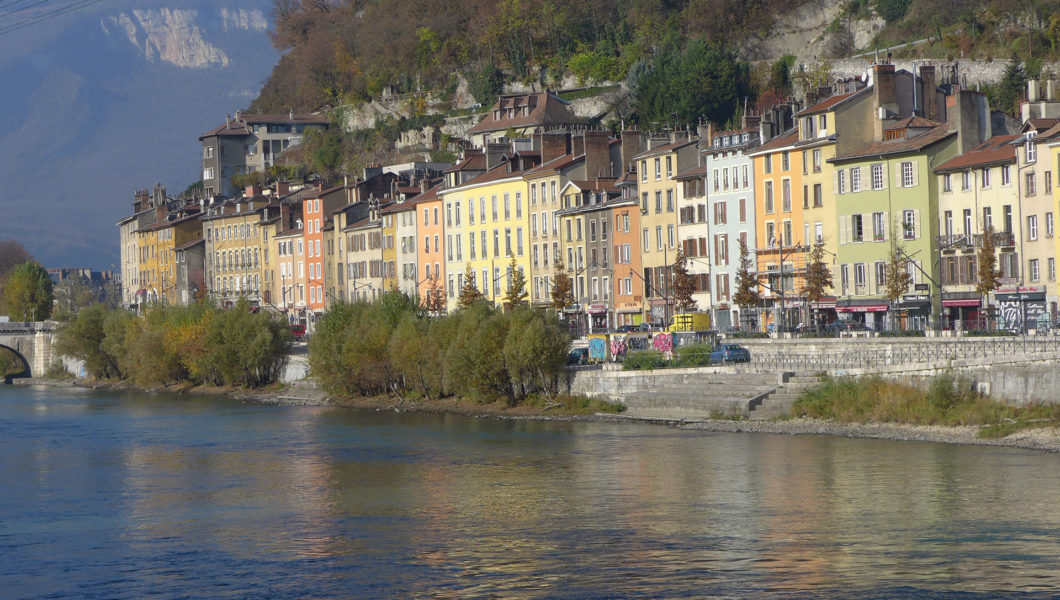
x,y
487,224
235,248
157,244
656,168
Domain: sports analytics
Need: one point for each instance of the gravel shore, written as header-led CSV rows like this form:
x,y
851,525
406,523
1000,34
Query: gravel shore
x,y
1045,438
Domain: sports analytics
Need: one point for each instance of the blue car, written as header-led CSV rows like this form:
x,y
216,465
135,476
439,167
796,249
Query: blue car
x,y
730,353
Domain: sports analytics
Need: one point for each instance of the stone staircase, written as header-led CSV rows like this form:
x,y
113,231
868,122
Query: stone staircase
x,y
778,403
705,396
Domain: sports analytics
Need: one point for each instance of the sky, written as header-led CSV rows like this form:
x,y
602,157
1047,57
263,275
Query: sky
x,y
99,98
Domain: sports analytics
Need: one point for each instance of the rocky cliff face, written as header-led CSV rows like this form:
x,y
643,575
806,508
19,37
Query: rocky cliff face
x,y
174,36
111,99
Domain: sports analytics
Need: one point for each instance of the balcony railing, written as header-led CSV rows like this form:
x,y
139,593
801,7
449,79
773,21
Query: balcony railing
x,y
1001,238
954,240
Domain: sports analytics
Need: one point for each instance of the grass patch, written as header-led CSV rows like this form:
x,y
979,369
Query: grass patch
x,y
574,404
947,400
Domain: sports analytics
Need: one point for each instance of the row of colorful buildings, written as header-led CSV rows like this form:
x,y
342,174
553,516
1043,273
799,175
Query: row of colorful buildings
x,y
889,159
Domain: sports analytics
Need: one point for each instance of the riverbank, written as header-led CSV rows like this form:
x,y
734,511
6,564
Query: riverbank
x,y
1038,438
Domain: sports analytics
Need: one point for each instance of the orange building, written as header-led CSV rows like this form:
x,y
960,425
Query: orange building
x,y
316,204
430,244
627,293
780,255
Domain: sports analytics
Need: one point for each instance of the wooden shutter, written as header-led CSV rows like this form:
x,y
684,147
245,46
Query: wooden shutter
x,y
916,223
886,225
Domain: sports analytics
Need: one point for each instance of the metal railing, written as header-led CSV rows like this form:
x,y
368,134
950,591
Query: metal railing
x,y
920,353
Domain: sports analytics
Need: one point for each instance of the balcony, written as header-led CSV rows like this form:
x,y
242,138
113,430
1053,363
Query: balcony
x,y
1001,238
953,241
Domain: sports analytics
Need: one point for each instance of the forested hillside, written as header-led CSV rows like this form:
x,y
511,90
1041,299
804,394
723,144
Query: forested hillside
x,y
342,51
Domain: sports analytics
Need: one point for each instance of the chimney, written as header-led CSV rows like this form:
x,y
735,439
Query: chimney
x,y
495,153
968,113
291,114
425,184
252,190
1032,90
824,91
577,145
228,121
597,154
1050,90
811,97
554,144
283,188
705,133
885,100
632,145
927,81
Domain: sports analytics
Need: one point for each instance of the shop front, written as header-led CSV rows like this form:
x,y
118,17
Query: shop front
x,y
597,318
867,311
823,311
912,312
963,310
1020,308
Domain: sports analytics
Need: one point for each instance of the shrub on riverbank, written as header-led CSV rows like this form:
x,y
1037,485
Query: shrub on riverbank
x,y
199,344
947,400
478,352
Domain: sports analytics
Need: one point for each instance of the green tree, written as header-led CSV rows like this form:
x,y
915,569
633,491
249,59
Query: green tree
x,y
684,284
516,292
818,277
1008,92
562,286
747,295
534,352
893,10
682,86
83,337
896,273
987,273
434,298
469,292
28,292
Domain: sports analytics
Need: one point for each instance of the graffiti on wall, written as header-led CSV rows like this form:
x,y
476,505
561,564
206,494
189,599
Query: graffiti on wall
x,y
1012,314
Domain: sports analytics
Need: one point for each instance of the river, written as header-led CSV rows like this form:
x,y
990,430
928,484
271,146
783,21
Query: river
x,y
131,495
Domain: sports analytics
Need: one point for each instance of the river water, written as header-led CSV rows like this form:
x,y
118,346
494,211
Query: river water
x,y
129,495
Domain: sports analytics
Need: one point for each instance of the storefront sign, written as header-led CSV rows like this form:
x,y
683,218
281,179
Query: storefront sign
x,y
862,309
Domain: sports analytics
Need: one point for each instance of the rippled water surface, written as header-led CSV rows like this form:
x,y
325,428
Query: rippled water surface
x,y
123,495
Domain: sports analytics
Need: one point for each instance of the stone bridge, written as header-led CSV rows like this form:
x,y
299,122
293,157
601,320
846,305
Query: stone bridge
x,y
31,343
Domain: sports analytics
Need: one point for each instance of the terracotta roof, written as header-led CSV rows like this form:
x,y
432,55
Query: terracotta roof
x,y
544,108
473,161
1040,124
560,162
167,224
187,245
900,145
498,172
606,185
693,172
914,121
782,140
828,103
995,150
665,148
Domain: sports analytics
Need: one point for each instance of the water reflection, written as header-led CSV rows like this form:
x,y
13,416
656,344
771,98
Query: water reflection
x,y
132,494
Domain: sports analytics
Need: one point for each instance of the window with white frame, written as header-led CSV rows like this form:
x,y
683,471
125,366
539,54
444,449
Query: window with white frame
x,y
877,176
909,224
855,179
1032,268
907,174
841,181
1032,227
877,226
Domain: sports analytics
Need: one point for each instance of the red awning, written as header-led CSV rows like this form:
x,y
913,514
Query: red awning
x,y
861,309
962,302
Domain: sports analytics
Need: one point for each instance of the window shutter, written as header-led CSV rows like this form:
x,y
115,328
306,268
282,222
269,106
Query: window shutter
x,y
844,229
916,173
835,182
916,223
897,175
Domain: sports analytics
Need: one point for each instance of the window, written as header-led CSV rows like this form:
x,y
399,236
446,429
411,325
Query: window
x,y
822,123
818,196
518,205
659,236
844,279
1032,265
207,173
806,196
967,221
855,179
878,226
669,201
493,202
1048,182
746,180
1031,147
984,176
716,180
785,161
1048,224
658,201
786,197
507,207
1051,269
859,279
881,276
482,237
644,202
1007,209
1005,177
947,182
743,210
771,234
644,233
670,235
768,201
669,166
767,163
1032,227
877,176
1029,189
856,231
909,224
643,170
658,169
988,218
818,233
907,174
817,158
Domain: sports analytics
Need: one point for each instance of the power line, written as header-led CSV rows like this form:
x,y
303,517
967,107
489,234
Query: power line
x,y
18,10
45,16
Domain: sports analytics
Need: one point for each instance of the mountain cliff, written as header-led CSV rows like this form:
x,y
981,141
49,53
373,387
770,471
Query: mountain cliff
x,y
112,99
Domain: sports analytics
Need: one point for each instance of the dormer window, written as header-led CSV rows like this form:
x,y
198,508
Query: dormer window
x,y
717,142
1031,147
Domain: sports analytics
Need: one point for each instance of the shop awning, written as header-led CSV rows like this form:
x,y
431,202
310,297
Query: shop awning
x,y
961,302
864,308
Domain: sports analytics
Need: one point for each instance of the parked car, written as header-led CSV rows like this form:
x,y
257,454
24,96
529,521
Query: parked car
x,y
838,327
578,356
626,329
298,331
730,353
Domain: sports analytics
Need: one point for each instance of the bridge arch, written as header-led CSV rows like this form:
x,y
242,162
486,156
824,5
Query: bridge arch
x,y
26,370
